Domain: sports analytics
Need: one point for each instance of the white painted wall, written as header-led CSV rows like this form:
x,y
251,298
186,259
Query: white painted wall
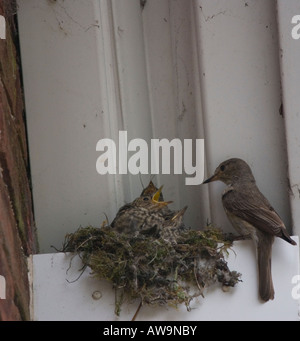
x,y
241,94
183,68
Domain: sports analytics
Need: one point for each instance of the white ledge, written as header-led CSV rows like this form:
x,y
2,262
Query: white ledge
x,y
54,298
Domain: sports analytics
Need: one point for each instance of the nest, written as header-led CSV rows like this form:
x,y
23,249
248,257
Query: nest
x,y
150,268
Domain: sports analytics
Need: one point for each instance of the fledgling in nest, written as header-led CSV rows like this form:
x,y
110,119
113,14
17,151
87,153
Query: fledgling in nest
x,y
148,253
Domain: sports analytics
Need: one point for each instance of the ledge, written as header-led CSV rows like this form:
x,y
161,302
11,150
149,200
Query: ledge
x,y
54,298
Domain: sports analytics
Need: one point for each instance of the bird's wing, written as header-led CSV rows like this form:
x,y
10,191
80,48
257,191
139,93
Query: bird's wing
x,y
255,210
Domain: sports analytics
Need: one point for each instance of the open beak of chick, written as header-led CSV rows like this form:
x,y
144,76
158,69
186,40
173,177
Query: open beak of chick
x,y
179,214
155,198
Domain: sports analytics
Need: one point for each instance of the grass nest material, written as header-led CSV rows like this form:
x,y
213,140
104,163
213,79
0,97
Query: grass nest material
x,y
152,270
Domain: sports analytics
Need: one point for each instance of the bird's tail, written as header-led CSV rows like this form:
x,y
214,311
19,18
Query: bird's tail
x,y
264,254
285,236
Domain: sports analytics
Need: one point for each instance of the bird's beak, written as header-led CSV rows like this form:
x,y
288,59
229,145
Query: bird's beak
x,y
180,213
155,198
212,178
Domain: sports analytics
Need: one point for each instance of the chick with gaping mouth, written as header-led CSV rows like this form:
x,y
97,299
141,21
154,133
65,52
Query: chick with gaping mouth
x,y
143,215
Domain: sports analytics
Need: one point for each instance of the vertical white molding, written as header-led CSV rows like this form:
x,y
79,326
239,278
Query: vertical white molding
x,y
171,43
133,88
109,88
289,54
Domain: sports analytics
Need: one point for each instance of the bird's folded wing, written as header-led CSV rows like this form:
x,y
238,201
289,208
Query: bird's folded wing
x,y
255,210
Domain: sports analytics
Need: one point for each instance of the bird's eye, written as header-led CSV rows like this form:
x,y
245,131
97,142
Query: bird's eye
x,y
222,168
146,199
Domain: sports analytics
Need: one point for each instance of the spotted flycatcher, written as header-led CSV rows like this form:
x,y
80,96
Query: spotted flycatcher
x,y
251,214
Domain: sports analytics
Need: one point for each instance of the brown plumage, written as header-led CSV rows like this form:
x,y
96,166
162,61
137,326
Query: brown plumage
x,y
251,214
149,214
143,215
173,226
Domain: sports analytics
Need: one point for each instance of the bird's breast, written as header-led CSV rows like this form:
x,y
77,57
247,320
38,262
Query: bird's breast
x,y
242,226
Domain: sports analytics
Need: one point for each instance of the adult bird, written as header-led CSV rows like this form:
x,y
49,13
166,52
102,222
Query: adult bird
x,y
250,213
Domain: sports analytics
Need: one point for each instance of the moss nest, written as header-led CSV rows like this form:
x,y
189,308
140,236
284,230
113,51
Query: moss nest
x,y
150,268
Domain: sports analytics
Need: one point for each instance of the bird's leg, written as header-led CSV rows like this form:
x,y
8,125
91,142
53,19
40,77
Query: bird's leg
x,y
231,237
